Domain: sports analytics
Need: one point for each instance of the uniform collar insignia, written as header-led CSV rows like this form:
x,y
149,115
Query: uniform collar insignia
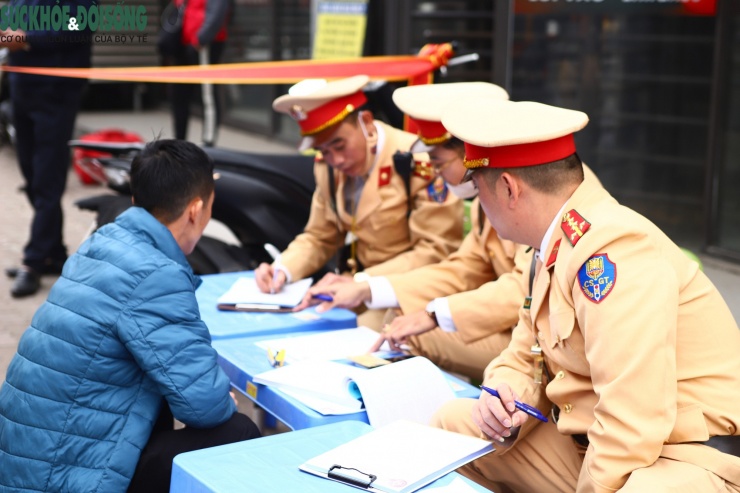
x,y
574,226
553,254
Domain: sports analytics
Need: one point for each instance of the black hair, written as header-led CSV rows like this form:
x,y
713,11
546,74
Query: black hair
x,y
547,178
454,144
168,174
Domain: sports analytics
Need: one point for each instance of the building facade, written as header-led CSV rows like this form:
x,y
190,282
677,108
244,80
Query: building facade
x,y
660,81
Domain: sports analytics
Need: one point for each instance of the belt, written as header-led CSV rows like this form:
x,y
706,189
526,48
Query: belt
x,y
728,444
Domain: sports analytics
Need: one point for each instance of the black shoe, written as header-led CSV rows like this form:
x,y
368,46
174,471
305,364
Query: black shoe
x,y
51,269
27,282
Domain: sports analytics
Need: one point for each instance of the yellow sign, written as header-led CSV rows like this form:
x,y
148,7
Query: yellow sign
x,y
340,29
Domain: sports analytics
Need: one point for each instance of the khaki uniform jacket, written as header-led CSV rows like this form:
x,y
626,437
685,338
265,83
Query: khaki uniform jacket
x,y
653,363
388,241
483,282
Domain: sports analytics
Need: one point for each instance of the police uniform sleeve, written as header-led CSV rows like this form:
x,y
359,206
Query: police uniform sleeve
x,y
626,303
435,229
494,306
466,269
322,236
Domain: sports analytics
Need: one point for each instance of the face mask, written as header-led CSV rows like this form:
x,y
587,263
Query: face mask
x,y
465,190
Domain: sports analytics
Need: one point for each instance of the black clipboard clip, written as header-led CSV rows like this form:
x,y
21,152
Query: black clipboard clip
x,y
350,479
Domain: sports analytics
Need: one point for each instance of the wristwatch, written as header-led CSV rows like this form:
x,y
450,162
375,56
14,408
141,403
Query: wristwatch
x,y
430,311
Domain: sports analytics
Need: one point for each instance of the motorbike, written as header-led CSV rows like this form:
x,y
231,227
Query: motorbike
x,y
259,199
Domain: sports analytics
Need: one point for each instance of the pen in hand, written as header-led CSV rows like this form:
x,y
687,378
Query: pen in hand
x,y
532,411
275,254
322,297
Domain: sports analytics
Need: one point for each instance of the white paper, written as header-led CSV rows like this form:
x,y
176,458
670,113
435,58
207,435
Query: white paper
x,y
245,291
315,381
403,455
336,344
412,389
457,485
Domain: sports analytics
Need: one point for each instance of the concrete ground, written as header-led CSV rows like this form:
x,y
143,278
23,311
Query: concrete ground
x,y
15,315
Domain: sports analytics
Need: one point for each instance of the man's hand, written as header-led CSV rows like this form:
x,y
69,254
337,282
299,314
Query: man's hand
x,y
267,280
399,330
233,396
326,286
496,417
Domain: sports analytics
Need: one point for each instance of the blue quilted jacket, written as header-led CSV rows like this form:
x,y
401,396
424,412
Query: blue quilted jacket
x,y
120,330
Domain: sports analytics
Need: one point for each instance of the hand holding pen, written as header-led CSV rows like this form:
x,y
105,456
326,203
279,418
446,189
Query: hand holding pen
x,y
278,277
498,411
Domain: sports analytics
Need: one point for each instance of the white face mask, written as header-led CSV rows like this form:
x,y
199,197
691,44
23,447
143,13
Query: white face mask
x,y
465,190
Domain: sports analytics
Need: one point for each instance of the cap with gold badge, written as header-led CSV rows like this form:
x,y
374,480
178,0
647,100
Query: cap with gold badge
x,y
316,104
509,134
424,105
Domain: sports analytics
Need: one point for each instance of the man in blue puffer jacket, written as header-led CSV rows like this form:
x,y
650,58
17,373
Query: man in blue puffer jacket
x,y
118,343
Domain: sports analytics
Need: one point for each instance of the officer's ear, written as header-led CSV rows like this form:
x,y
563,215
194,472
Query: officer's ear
x,y
512,187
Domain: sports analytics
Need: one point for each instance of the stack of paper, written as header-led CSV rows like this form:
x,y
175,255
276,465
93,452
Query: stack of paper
x,y
244,295
403,456
336,344
412,389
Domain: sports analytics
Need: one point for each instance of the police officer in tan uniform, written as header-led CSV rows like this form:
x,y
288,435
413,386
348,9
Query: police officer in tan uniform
x,y
458,313
624,339
386,229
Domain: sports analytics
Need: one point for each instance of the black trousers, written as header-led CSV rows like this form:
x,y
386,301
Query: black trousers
x,y
181,95
44,116
154,469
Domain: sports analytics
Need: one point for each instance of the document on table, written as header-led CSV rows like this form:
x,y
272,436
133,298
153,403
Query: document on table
x,y
400,457
413,389
336,344
244,295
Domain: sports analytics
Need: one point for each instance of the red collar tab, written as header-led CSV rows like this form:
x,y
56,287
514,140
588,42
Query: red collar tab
x,y
384,176
326,115
574,226
553,254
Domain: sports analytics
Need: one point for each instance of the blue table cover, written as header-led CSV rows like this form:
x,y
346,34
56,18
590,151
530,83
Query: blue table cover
x,y
241,359
270,464
227,324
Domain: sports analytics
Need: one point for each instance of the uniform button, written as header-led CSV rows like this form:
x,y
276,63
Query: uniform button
x,y
560,375
491,254
567,408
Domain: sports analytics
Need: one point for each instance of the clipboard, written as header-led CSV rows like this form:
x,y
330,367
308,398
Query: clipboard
x,y
253,307
245,296
400,457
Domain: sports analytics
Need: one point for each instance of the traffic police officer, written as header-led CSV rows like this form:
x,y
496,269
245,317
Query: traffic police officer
x,y
458,313
360,198
624,338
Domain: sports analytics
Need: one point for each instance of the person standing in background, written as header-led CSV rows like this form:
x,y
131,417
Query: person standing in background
x,y
203,37
44,113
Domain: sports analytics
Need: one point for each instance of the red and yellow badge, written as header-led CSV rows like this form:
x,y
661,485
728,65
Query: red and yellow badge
x,y
574,226
423,169
597,277
384,176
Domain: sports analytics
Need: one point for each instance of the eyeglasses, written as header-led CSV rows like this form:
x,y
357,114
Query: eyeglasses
x,y
277,358
438,168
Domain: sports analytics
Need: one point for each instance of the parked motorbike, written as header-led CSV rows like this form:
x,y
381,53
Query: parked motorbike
x,y
260,198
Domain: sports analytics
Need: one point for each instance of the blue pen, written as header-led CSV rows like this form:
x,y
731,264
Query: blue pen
x,y
322,297
532,411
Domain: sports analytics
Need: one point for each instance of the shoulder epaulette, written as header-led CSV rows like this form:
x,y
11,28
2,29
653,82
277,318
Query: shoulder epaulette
x,y
574,226
423,169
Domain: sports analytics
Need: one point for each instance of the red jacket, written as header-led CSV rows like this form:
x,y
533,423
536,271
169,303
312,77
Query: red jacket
x,y
194,18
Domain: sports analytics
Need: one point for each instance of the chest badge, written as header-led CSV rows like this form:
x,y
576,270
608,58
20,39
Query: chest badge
x,y
437,190
597,277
